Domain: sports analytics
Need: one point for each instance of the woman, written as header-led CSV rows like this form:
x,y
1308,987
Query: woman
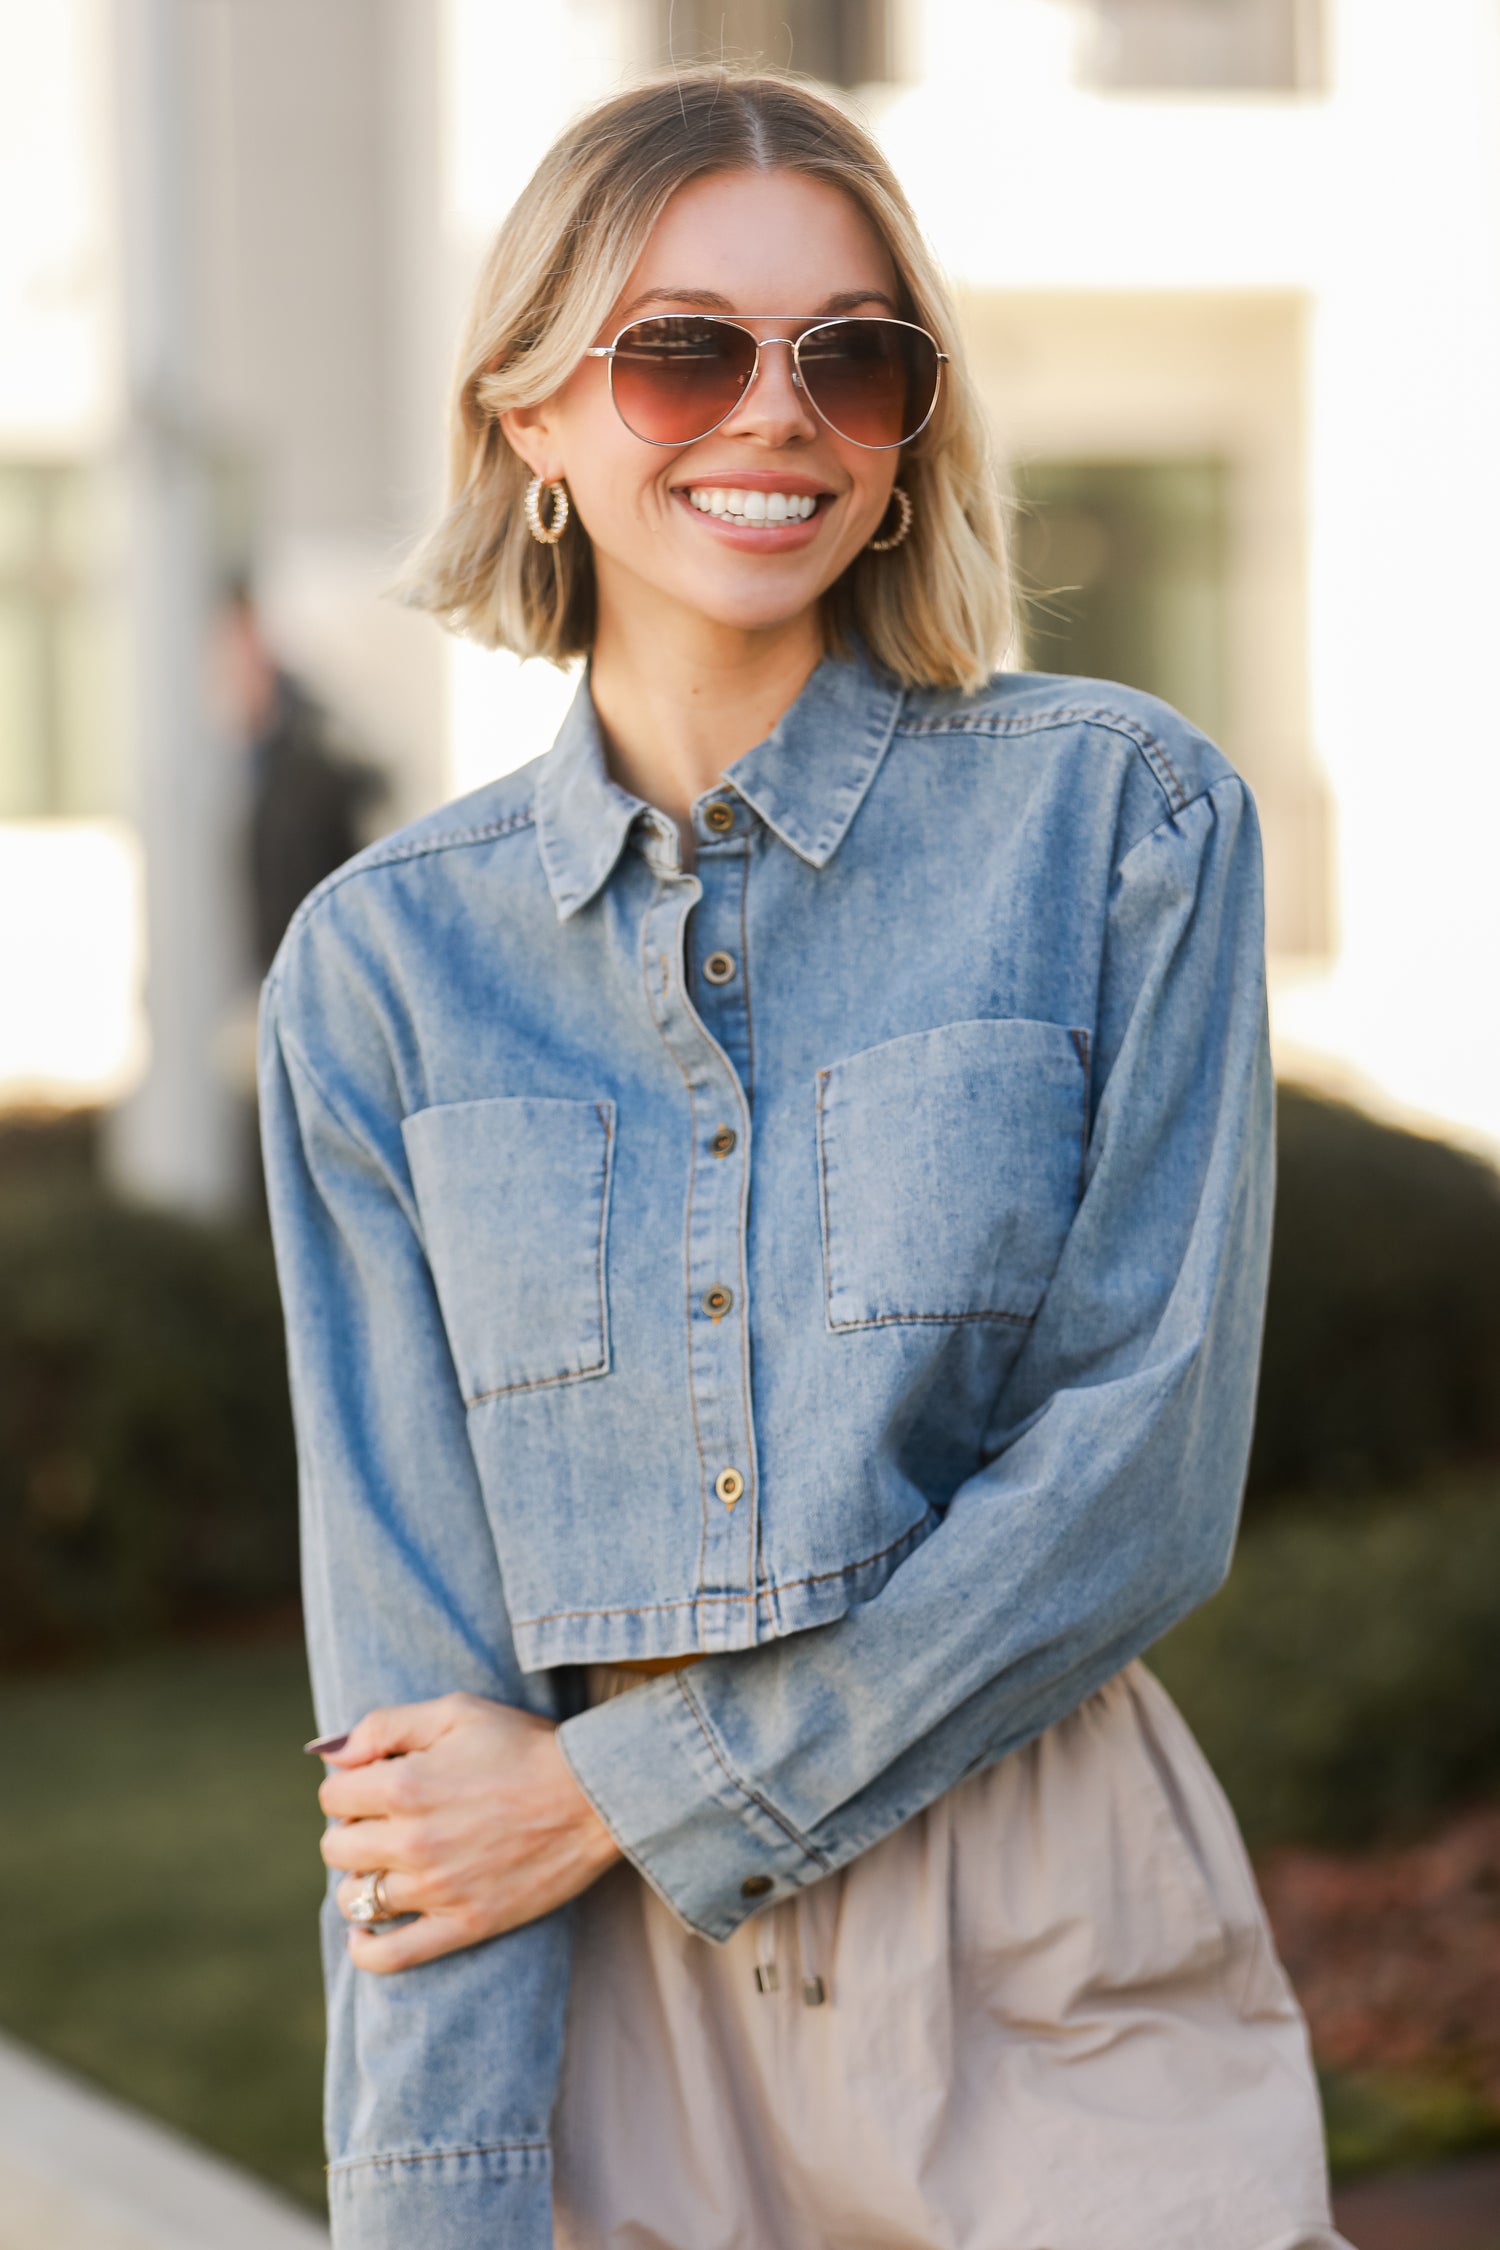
x,y
758,1555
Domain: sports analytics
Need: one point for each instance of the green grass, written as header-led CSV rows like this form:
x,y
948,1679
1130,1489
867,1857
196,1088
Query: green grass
x,y
160,1872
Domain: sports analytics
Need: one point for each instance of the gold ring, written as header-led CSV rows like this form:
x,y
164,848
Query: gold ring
x,y
369,1902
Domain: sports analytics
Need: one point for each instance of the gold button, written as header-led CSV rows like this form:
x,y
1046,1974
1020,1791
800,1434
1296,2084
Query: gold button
x,y
729,1484
717,1301
719,817
723,1141
719,968
756,1886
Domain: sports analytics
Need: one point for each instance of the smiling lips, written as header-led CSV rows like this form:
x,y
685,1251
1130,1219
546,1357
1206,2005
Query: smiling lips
x,y
747,505
774,507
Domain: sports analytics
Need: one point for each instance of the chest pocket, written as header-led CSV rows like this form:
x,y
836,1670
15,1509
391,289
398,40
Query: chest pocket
x,y
514,1198
949,1170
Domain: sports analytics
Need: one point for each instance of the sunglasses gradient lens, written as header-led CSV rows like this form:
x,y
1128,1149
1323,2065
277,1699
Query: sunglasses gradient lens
x,y
874,381
679,376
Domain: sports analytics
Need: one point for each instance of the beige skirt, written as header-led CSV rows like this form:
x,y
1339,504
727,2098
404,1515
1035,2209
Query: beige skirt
x,y
1045,2014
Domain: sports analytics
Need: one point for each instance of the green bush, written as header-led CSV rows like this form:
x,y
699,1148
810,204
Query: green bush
x,y
1344,1680
1383,2121
147,1477
1382,1352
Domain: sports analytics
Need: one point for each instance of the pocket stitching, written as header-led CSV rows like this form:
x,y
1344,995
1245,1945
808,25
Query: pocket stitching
x,y
604,1111
1081,1047
944,1319
541,1382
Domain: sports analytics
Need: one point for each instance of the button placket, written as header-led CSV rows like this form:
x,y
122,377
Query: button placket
x,y
718,1202
721,989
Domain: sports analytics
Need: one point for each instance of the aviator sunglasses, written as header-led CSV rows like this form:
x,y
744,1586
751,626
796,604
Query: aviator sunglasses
x,y
674,377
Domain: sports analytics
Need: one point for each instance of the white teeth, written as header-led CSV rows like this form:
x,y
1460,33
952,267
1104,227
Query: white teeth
x,y
752,506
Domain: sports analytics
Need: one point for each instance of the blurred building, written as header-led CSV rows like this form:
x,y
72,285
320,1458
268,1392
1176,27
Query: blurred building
x,y
1230,271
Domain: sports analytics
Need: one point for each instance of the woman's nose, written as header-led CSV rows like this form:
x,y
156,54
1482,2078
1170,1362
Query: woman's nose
x,y
774,404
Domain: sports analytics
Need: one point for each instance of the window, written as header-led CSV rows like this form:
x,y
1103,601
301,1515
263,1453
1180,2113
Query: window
x,y
846,42
58,729
1126,571
1208,46
1129,572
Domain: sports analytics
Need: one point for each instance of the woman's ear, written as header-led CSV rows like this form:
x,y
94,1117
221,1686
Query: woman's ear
x,y
525,431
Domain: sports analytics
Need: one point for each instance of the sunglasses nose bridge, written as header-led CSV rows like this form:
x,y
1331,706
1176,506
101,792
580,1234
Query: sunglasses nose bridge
x,y
761,343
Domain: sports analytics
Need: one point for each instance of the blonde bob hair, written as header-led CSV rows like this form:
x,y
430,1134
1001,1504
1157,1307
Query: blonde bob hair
x,y
937,610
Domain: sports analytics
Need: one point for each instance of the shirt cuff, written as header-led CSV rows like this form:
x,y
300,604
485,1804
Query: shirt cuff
x,y
444,2199
705,1840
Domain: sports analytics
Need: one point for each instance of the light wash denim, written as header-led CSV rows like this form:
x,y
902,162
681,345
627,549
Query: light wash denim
x,y
847,1259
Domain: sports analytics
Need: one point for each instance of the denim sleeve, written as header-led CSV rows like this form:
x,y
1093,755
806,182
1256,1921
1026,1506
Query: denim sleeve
x,y
1108,1503
440,2079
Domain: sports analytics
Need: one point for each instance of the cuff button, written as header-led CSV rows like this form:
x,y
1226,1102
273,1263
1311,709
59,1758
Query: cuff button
x,y
756,1886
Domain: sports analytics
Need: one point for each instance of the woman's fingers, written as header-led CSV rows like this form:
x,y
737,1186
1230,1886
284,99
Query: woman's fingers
x,y
382,1788
473,1802
360,1845
380,1952
399,1727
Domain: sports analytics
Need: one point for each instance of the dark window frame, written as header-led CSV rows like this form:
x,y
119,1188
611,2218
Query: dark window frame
x,y
847,43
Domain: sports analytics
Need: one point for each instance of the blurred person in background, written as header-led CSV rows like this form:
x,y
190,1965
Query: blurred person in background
x,y
750,1823
308,802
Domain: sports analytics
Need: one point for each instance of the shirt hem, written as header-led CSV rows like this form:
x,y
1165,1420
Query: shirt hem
x,y
710,1622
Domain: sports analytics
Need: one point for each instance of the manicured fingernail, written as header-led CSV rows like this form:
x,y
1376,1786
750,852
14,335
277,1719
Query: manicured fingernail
x,y
325,1745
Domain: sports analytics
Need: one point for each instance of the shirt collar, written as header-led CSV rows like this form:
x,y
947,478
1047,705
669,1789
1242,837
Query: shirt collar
x,y
806,779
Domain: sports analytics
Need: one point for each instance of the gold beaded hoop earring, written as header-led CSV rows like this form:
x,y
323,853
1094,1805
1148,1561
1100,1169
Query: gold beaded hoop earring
x,y
533,505
884,546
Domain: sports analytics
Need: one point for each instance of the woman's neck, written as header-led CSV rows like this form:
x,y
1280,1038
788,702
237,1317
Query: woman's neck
x,y
676,708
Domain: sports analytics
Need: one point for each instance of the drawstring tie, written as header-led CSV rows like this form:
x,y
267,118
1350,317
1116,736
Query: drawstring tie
x,y
814,1990
767,1969
604,1681
767,1975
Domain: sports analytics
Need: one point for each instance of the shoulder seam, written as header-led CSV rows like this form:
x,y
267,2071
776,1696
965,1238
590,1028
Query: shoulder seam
x,y
391,855
1232,781
1089,714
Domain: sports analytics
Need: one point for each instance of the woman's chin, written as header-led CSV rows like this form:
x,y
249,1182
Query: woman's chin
x,y
743,604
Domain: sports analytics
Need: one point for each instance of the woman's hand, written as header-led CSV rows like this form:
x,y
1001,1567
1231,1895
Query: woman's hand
x,y
470,1811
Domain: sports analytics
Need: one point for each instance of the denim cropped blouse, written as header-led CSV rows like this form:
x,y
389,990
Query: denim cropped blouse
x,y
845,1260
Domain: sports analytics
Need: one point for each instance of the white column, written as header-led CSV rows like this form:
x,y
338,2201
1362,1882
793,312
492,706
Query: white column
x,y
174,1139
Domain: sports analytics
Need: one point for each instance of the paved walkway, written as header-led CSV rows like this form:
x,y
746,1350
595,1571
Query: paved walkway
x,y
78,2171
1457,2208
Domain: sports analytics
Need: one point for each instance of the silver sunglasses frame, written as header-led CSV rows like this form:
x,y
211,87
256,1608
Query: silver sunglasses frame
x,y
794,343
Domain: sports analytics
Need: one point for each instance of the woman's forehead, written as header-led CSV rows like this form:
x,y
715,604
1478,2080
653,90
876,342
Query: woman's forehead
x,y
761,241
